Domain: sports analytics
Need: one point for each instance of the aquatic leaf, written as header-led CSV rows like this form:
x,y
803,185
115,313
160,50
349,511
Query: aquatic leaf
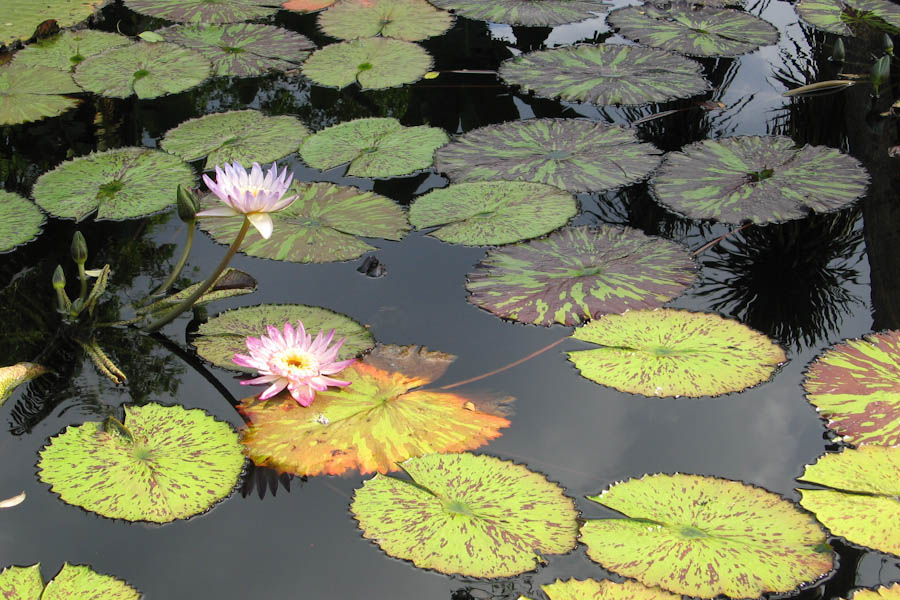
x,y
373,63
21,583
243,49
706,536
64,51
606,74
306,5
880,593
20,220
126,183
179,463
844,17
669,352
229,284
374,147
410,20
694,30
572,154
151,36
224,335
21,17
525,12
72,581
148,70
579,273
856,386
15,375
321,225
589,589
30,93
246,136
472,515
375,423
763,179
492,212
204,11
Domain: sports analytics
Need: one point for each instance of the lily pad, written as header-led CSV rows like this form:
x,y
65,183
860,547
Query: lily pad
x,y
72,581
606,74
763,179
20,220
579,273
374,147
21,17
862,507
223,336
880,593
844,17
320,226
245,136
305,6
472,515
373,63
525,12
706,536
693,30
242,49
589,589
378,421
30,93
126,183
671,352
148,70
410,20
15,375
66,50
493,212
163,463
573,154
204,11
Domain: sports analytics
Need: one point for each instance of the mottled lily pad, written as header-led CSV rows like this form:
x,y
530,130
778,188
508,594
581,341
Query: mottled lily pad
x,y
204,11
66,50
589,589
15,375
525,12
493,212
580,273
846,17
21,17
410,20
72,581
472,515
880,593
378,421
245,136
373,63
305,6
670,352
572,154
162,463
127,183
606,74
321,225
20,220
763,179
30,93
706,536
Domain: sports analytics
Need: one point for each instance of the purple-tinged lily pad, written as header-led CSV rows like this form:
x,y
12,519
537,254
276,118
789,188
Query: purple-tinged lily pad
x,y
410,20
526,12
72,581
20,220
30,93
849,17
373,63
66,50
204,11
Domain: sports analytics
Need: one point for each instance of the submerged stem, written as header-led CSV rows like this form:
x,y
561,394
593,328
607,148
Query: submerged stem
x,y
179,266
509,366
709,245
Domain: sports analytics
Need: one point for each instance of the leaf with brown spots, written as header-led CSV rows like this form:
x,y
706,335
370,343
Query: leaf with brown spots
x,y
604,590
881,593
72,581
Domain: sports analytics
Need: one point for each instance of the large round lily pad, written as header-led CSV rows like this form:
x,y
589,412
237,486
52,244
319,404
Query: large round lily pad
x,y
706,536
671,352
126,183
245,136
204,11
579,273
410,20
373,63
72,581
66,50
21,17
589,589
477,516
847,17
525,12
694,30
763,179
30,93
321,225
163,463
380,420
20,220
606,74
572,154
492,212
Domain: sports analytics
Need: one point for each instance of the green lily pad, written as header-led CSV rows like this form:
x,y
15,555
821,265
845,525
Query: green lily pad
x,y
410,20
669,352
525,12
493,212
862,507
373,63
846,17
72,581
15,375
374,147
223,336
706,536
589,589
579,273
245,136
691,30
30,93
763,179
21,17
242,49
572,154
320,226
126,183
148,70
881,593
606,74
66,50
163,463
473,515
204,11
20,220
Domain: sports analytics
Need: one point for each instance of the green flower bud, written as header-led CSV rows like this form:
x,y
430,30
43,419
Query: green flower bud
x,y
79,248
887,42
838,52
59,278
188,204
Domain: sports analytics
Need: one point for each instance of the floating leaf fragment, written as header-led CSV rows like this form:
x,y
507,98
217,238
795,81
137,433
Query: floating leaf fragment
x,y
14,501
589,589
30,93
64,51
373,63
410,20
880,593
20,220
847,17
15,375
204,11
72,581
21,17
306,5
526,12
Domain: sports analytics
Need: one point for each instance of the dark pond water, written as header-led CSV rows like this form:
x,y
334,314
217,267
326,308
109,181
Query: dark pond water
x,y
808,284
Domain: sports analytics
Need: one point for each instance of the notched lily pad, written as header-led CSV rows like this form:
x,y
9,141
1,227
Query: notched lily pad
x,y
526,12
880,593
204,11
20,220
589,589
849,17
373,63
72,581
410,20
30,93
21,17
66,50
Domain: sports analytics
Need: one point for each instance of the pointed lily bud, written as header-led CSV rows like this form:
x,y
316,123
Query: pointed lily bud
x,y
188,204
59,278
59,283
79,248
838,52
887,42
880,72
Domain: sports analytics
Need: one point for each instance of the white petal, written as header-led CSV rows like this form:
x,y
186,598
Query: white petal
x,y
263,223
14,501
219,211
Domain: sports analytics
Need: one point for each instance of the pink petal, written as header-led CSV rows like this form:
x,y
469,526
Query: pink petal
x,y
273,389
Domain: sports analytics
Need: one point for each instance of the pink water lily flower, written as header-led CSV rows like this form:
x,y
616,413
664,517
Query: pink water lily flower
x,y
292,360
250,194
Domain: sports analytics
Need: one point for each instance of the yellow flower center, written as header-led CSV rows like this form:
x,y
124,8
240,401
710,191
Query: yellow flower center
x,y
294,362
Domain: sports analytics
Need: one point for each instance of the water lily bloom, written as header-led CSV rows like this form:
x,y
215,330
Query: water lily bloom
x,y
250,194
292,360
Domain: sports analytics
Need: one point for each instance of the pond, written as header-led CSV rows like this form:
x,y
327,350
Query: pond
x,y
806,281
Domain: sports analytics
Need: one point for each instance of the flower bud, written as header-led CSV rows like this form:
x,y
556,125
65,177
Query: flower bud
x,y
187,203
887,43
79,248
881,69
838,52
59,278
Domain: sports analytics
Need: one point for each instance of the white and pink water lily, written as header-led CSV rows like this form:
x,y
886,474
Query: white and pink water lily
x,y
252,194
291,359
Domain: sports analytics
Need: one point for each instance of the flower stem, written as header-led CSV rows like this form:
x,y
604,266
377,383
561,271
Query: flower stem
x,y
82,276
179,266
509,366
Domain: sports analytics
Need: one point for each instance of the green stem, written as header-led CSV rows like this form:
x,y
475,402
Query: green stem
x,y
179,266
82,276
